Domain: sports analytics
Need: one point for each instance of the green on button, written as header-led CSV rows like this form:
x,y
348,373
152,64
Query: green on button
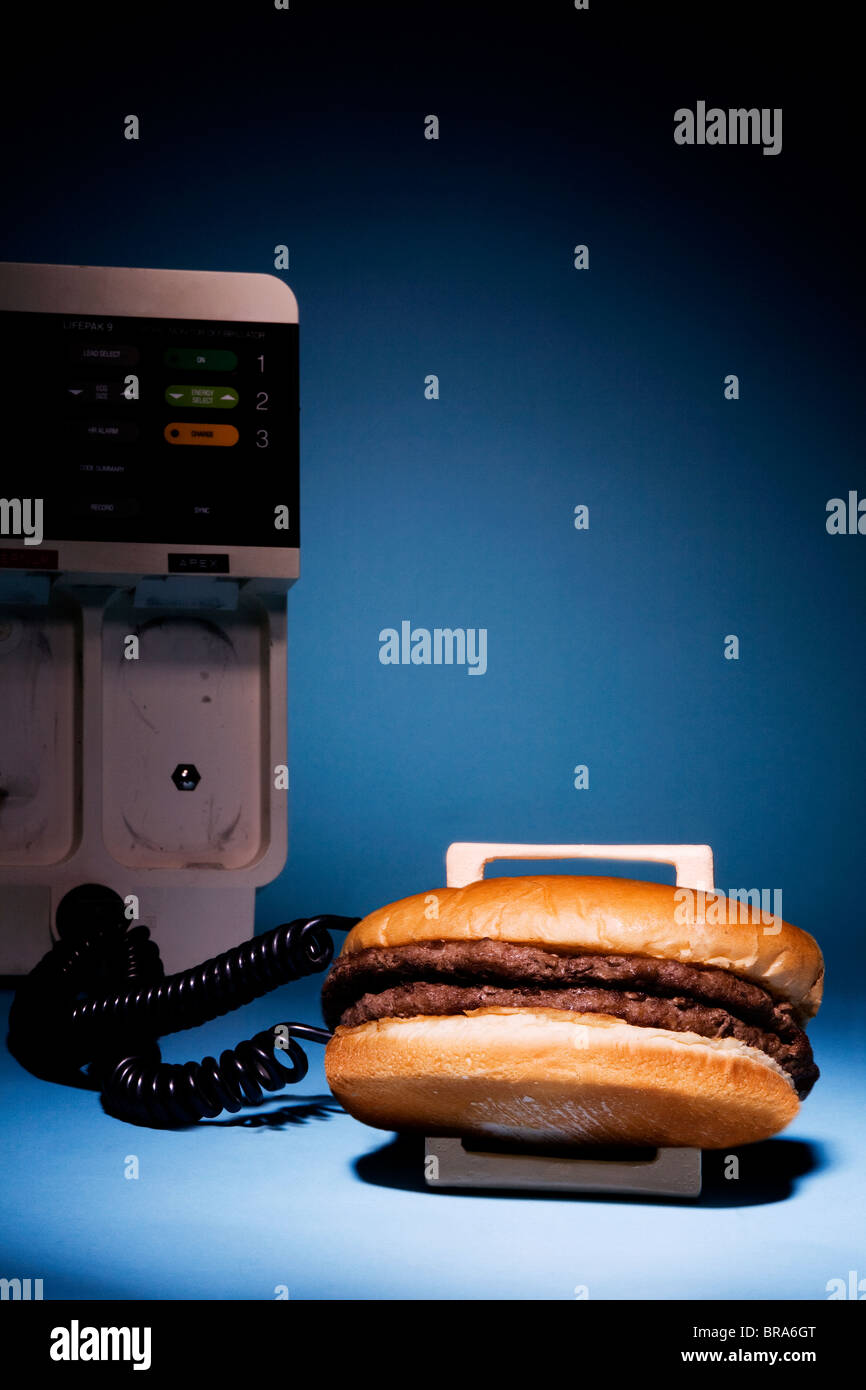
x,y
211,397
201,359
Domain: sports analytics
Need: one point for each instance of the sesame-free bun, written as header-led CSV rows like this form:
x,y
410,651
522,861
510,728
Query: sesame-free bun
x,y
622,916
551,1076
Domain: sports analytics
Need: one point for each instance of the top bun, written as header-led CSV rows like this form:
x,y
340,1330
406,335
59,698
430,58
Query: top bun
x,y
616,916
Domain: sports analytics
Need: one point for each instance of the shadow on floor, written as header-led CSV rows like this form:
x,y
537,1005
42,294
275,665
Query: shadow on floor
x,y
766,1172
286,1114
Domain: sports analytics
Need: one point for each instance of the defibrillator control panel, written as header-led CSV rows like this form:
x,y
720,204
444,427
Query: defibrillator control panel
x,y
146,429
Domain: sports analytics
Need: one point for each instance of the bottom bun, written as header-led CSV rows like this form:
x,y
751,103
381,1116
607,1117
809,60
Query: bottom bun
x,y
550,1076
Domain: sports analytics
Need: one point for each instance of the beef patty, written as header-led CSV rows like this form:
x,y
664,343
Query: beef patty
x,y
452,977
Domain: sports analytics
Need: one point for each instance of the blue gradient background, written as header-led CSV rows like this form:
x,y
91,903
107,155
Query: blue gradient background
x,y
454,257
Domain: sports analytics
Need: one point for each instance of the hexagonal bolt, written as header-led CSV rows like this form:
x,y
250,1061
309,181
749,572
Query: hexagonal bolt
x,y
186,777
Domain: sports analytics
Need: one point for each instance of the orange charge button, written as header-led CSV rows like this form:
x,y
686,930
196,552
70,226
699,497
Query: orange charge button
x,y
199,432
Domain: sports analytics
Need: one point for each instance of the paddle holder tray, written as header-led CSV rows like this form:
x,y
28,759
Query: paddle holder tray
x,y
458,1163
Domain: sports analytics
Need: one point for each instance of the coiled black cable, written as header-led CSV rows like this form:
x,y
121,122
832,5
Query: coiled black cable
x,y
129,1003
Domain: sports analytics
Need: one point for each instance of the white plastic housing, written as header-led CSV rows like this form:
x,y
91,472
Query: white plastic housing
x,y
89,738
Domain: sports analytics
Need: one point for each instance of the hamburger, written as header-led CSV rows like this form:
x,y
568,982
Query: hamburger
x,y
554,1009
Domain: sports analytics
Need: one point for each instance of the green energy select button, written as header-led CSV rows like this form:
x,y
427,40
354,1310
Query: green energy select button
x,y
212,397
203,359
